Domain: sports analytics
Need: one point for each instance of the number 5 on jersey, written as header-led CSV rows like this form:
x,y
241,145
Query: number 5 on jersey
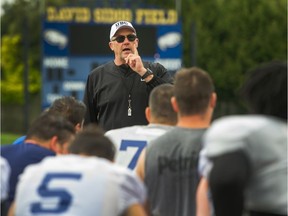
x,y
62,194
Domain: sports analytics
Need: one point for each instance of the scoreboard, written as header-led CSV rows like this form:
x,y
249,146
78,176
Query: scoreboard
x,y
75,41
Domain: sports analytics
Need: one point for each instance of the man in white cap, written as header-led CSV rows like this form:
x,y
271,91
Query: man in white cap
x,y
117,92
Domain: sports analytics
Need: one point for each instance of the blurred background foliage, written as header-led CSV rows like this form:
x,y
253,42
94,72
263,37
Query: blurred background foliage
x,y
231,38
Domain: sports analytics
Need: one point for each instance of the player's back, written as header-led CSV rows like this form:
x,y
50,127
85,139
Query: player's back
x,y
130,141
171,175
77,185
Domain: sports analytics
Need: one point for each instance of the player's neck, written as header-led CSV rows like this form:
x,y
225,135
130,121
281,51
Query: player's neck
x,y
37,141
195,121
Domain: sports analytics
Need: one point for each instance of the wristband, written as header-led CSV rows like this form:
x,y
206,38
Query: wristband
x,y
148,73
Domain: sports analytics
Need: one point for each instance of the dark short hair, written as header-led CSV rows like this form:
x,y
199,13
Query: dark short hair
x,y
265,89
91,141
72,109
193,88
160,104
47,125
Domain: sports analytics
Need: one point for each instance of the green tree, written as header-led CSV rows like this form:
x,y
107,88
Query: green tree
x,y
238,35
11,82
12,71
16,21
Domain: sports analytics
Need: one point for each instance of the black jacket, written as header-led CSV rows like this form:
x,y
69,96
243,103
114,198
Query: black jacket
x,y
107,92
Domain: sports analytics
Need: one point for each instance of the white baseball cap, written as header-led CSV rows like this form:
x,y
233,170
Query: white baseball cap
x,y
119,25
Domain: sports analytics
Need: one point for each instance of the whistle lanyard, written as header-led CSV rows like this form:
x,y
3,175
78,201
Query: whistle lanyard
x,y
128,89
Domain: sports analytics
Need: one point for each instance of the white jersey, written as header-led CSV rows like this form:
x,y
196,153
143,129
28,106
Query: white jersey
x,y
264,141
74,185
130,141
5,175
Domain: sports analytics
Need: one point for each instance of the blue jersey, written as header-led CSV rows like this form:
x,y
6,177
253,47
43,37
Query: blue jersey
x,y
18,157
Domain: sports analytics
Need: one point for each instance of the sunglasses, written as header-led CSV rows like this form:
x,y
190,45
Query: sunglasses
x,y
121,38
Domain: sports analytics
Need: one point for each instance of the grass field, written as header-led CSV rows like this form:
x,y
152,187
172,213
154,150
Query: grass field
x,y
8,138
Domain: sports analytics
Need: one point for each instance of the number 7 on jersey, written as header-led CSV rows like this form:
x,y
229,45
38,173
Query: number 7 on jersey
x,y
140,145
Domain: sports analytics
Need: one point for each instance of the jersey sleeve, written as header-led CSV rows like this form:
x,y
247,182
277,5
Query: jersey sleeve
x,y
222,138
226,135
229,134
132,191
227,180
204,165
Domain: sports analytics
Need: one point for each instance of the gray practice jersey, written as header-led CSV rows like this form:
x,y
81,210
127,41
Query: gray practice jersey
x,y
171,174
264,141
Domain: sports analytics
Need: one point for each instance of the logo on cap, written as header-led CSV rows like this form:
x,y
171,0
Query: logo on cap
x,y
120,24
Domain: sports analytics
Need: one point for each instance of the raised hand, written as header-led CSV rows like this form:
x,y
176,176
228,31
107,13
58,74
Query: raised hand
x,y
135,61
